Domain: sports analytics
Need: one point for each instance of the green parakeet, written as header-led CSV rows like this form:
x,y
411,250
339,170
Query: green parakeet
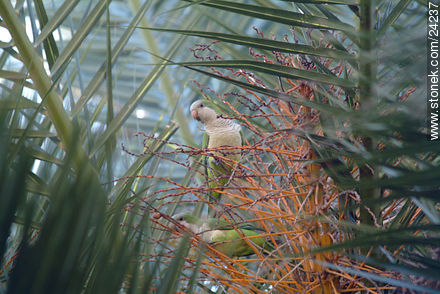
x,y
221,132
222,236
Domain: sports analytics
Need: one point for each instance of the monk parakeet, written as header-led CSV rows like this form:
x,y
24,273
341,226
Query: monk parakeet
x,y
221,132
222,236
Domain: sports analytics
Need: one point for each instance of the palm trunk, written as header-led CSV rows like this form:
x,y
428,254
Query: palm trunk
x,y
367,78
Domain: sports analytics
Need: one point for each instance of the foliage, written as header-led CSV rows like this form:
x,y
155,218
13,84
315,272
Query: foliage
x,y
335,167
64,227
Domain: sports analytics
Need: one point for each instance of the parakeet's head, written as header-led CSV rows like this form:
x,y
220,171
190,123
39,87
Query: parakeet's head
x,y
187,220
201,112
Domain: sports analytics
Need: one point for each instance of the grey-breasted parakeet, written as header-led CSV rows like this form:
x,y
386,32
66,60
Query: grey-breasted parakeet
x,y
224,237
221,132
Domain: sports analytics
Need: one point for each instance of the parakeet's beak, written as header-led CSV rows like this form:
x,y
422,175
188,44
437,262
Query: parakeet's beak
x,y
194,115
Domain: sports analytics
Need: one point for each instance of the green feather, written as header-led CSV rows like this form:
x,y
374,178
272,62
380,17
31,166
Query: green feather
x,y
231,243
217,176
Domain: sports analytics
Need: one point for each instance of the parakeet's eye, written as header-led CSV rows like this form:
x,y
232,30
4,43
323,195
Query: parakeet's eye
x,y
201,105
181,218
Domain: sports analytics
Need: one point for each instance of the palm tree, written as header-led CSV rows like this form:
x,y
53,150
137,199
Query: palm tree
x,y
345,178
